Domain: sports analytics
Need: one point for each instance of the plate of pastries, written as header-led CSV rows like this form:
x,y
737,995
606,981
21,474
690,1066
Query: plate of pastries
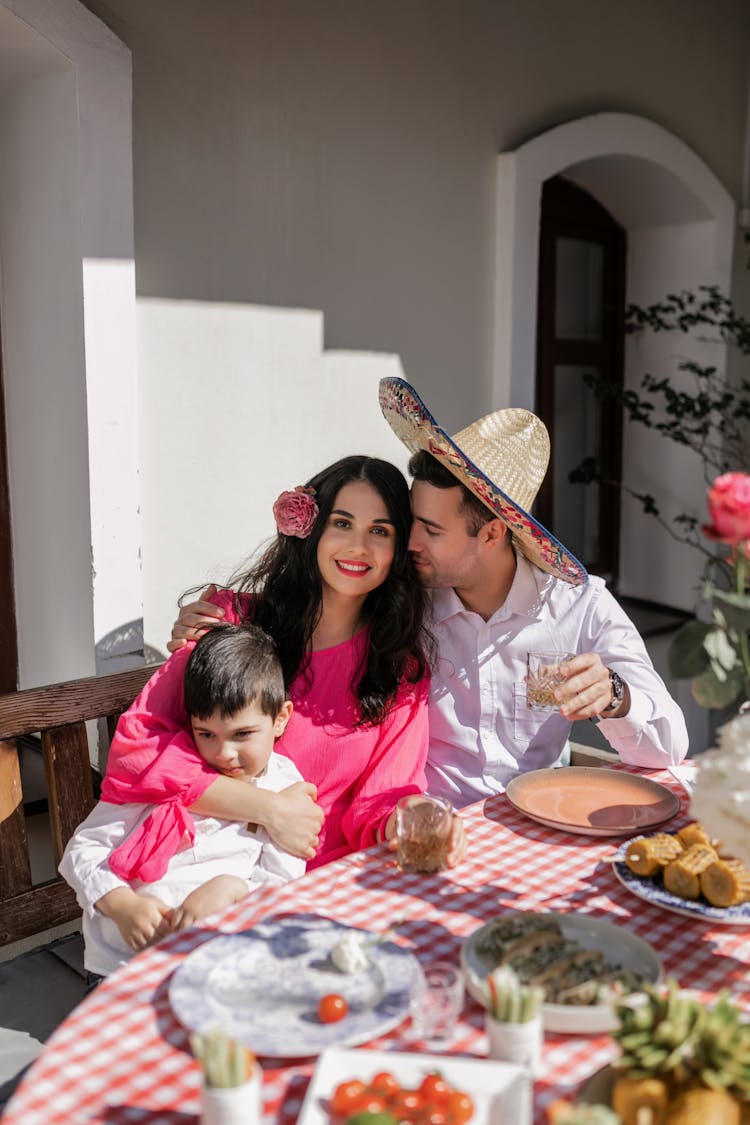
x,y
688,873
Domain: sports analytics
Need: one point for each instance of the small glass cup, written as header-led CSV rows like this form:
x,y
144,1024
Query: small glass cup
x,y
436,1001
423,830
544,674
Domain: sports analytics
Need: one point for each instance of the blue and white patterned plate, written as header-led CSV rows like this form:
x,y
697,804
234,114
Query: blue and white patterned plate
x,y
654,892
262,987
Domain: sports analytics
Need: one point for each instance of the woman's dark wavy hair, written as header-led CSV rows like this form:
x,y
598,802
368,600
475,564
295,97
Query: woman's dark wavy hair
x,y
288,592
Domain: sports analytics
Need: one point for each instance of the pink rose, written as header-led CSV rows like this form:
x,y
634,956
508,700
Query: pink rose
x,y
295,512
729,506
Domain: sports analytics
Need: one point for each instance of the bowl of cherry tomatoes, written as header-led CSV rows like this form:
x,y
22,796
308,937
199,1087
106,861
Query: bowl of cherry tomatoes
x,y
384,1100
364,1087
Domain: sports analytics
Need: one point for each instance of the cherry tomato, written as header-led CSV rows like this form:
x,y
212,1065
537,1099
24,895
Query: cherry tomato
x,y
460,1107
345,1096
332,1008
433,1114
407,1105
433,1102
369,1102
434,1088
384,1083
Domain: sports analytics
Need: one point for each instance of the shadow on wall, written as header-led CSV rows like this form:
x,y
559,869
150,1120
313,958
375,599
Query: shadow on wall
x,y
123,648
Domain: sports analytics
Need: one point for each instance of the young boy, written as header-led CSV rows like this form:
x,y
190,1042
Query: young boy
x,y
236,700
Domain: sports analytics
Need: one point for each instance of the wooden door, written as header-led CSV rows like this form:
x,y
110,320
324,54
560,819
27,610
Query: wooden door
x,y
580,331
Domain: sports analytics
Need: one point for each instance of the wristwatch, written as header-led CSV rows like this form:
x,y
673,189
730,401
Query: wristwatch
x,y
618,691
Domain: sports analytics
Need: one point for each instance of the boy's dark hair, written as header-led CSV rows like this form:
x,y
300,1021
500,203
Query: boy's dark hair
x,y
231,667
423,466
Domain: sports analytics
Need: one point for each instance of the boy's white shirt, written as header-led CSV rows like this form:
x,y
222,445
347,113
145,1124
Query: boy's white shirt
x,y
220,847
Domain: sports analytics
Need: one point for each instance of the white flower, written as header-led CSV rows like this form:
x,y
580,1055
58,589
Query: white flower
x,y
721,799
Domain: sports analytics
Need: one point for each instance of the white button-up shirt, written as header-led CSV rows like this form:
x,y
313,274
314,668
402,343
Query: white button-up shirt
x,y
481,732
220,847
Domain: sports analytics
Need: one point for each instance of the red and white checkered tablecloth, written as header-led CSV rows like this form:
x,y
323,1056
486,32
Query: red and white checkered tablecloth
x,y
122,1057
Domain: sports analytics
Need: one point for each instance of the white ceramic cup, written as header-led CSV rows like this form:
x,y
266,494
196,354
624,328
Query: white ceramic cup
x,y
233,1105
516,1042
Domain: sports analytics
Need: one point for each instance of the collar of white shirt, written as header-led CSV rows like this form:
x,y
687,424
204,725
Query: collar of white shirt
x,y
528,592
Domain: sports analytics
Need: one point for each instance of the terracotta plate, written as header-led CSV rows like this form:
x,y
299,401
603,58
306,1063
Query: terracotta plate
x,y
590,801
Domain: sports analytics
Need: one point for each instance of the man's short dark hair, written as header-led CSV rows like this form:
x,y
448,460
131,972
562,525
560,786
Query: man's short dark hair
x,y
230,668
423,466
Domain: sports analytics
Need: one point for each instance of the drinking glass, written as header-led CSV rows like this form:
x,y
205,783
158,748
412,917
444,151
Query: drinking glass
x,y
436,1001
423,829
544,674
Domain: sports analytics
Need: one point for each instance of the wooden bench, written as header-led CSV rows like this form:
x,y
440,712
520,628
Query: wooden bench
x,y
58,713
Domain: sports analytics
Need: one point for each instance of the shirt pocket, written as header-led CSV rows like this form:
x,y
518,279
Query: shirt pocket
x,y
526,722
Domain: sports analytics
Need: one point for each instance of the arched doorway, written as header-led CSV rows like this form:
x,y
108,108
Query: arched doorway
x,y
679,222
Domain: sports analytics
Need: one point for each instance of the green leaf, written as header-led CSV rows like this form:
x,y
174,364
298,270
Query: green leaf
x,y
709,691
721,651
687,656
736,608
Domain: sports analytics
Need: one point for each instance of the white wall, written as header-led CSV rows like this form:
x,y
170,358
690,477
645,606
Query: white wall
x,y
67,310
341,156
44,371
322,155
237,404
664,260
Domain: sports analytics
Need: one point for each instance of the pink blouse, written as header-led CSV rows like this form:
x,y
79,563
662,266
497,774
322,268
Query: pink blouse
x,y
360,771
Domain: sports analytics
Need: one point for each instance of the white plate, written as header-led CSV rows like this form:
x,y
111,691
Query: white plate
x,y
262,987
619,946
656,893
501,1091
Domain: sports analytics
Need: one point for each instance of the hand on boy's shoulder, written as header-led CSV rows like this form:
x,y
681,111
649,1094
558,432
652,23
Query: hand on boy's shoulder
x,y
195,618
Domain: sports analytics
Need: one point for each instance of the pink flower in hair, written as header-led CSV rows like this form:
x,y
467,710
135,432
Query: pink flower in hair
x,y
295,512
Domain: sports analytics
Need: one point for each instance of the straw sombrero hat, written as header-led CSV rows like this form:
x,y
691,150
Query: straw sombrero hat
x,y
502,459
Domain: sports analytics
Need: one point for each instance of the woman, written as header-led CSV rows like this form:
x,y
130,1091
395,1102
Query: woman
x,y
337,592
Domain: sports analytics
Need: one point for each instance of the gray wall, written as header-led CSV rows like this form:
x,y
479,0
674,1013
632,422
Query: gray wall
x,y
340,154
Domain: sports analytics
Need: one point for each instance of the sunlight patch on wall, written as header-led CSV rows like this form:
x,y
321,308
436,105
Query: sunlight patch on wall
x,y
238,402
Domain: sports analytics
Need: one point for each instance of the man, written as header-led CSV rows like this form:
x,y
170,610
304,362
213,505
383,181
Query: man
x,y
503,586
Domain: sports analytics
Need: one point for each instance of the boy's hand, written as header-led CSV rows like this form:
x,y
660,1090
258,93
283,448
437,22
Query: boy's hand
x,y
194,619
293,820
221,891
141,919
